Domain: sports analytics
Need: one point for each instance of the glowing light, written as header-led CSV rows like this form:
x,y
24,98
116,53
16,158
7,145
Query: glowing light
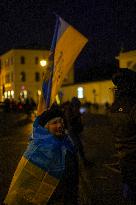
x,y
8,93
7,85
25,93
43,63
39,92
80,92
12,93
5,94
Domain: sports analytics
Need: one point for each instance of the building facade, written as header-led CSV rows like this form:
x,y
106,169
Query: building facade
x,y
21,77
127,60
99,92
21,74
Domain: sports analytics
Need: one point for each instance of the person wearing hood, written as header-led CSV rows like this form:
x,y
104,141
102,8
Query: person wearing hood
x,y
48,170
123,115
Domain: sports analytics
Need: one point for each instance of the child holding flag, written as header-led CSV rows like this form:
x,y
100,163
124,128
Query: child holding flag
x,y
48,170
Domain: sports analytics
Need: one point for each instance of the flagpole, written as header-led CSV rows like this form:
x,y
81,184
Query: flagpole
x,y
51,59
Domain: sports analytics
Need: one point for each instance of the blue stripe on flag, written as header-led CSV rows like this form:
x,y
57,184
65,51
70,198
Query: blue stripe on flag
x,y
47,92
63,25
60,28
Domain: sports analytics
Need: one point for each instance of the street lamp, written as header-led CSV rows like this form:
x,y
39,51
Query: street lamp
x,y
43,63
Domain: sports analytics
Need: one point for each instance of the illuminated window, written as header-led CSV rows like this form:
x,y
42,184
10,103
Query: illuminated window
x,y
12,93
80,92
23,94
5,94
8,94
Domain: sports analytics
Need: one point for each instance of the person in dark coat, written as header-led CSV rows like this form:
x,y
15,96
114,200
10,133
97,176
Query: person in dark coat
x,y
74,125
123,115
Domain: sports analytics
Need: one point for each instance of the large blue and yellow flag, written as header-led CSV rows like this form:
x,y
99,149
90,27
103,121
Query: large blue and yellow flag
x,y
69,44
66,45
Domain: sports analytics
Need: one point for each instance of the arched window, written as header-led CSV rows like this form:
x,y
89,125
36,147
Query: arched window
x,y
23,76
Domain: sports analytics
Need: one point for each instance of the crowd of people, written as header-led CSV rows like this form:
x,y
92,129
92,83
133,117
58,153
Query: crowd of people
x,y
26,105
48,172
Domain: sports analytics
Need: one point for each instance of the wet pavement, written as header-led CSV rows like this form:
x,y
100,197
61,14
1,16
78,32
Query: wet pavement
x,y
14,133
98,185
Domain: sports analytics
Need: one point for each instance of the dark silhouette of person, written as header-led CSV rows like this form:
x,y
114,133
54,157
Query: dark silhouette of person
x,y
7,105
74,125
123,116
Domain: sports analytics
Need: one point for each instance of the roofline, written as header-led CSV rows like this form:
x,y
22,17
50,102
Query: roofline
x,y
30,49
127,53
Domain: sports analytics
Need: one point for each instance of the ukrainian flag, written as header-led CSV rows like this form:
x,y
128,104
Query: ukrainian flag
x,y
66,45
39,170
69,44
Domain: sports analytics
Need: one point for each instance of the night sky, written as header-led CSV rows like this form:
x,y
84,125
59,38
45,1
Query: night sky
x,y
110,26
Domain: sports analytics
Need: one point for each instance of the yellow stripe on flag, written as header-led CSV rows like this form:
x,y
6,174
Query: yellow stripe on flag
x,y
30,185
67,49
41,105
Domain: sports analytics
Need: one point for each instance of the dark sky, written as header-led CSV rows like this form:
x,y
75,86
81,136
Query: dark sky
x,y
108,24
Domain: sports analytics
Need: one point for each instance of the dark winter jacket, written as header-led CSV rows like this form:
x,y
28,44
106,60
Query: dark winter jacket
x,y
123,116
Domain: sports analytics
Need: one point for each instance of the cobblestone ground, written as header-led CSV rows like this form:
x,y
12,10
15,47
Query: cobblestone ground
x,y
98,185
